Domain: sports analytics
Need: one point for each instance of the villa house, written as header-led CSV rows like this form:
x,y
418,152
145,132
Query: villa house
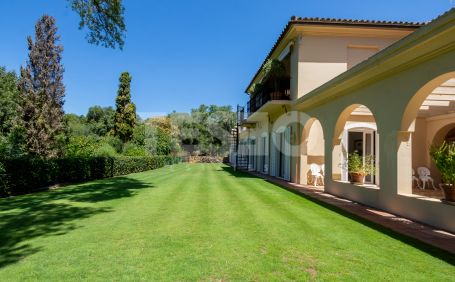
x,y
382,89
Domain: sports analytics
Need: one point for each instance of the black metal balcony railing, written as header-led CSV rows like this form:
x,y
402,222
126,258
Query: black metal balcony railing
x,y
259,100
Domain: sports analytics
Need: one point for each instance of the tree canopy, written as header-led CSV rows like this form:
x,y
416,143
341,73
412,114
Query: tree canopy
x,y
206,129
101,120
104,19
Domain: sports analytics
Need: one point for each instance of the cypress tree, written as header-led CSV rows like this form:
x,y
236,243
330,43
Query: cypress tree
x,y
125,114
42,90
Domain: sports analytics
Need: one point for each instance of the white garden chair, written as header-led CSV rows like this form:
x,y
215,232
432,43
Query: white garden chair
x,y
424,176
316,174
414,178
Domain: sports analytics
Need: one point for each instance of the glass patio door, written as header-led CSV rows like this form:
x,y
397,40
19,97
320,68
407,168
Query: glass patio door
x,y
363,141
263,162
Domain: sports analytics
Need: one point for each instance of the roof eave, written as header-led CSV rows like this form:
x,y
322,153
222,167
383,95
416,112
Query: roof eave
x,y
296,21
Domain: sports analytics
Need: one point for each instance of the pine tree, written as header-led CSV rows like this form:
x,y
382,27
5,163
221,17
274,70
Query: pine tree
x,y
42,90
125,114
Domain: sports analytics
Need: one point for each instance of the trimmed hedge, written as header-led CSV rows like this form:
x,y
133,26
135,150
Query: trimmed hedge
x,y
28,174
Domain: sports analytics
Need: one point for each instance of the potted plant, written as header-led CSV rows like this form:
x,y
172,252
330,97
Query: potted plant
x,y
256,95
256,89
358,168
275,72
444,158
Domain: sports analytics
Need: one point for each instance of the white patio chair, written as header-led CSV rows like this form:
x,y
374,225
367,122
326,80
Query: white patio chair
x,y
414,178
424,176
316,174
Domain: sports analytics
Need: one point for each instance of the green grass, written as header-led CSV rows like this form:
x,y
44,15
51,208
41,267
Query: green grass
x,y
199,222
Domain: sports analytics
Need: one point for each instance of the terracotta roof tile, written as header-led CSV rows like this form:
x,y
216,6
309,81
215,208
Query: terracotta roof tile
x,y
333,21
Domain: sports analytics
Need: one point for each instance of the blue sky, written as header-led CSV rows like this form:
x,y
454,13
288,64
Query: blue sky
x,y
181,53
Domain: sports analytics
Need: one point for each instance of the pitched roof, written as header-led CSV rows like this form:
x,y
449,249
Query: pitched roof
x,y
331,21
372,23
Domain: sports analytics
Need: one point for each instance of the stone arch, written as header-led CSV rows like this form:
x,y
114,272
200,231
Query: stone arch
x,y
429,115
441,134
413,106
355,130
312,149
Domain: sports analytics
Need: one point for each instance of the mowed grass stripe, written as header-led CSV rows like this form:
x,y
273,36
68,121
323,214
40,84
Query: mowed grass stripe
x,y
289,210
168,236
183,226
264,230
202,222
249,241
125,232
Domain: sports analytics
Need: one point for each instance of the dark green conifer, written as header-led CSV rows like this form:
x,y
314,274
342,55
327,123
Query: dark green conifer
x,y
125,114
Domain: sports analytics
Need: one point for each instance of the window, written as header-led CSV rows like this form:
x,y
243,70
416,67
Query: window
x,y
362,140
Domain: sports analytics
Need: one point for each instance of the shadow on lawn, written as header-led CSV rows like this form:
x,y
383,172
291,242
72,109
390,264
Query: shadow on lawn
x,y
50,214
236,173
433,251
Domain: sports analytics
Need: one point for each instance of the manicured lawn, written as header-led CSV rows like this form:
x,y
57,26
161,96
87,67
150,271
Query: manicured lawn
x,y
199,222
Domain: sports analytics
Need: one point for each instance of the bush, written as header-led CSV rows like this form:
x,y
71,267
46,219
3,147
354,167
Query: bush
x,y
113,141
444,158
81,146
133,150
105,150
4,189
4,146
28,174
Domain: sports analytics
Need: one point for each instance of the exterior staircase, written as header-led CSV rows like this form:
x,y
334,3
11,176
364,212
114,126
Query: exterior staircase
x,y
237,160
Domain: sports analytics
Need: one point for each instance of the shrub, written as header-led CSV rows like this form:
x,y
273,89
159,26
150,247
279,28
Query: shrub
x,y
81,146
4,146
113,141
444,158
105,150
139,134
4,189
27,174
133,150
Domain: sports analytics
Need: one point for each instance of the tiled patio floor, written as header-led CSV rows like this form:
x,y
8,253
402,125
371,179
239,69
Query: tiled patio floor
x,y
427,234
437,194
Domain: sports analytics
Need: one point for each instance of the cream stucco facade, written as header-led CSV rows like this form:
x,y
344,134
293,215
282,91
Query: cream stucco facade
x,y
384,90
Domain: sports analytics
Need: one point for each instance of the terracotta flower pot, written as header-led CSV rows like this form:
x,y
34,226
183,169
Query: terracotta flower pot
x,y
357,177
449,192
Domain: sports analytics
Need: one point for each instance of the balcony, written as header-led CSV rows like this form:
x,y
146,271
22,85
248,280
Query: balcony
x,y
259,100
269,94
